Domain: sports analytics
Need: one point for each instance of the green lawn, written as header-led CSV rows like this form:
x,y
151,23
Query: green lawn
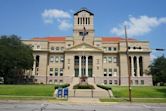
x,y
140,91
27,90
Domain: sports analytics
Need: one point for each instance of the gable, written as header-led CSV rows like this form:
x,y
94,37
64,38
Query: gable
x,y
84,47
83,9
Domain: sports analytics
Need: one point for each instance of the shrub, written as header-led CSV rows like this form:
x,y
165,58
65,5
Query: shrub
x,y
106,87
83,86
61,85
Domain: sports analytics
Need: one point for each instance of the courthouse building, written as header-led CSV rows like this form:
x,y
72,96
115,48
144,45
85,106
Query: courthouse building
x,y
100,59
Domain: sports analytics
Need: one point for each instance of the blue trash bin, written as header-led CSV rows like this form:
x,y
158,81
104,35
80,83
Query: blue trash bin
x,y
59,93
65,92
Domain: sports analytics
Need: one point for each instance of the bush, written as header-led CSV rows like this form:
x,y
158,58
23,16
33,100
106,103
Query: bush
x,y
83,86
61,85
106,87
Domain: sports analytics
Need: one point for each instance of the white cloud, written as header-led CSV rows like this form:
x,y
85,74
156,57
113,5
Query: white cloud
x,y
138,26
55,15
64,25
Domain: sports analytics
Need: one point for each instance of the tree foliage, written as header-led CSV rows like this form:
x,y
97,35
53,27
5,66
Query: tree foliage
x,y
158,70
15,58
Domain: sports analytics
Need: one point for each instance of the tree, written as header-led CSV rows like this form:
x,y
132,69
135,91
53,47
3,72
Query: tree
x,y
15,58
158,70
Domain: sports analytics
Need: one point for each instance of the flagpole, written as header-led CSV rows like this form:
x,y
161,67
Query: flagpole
x,y
128,64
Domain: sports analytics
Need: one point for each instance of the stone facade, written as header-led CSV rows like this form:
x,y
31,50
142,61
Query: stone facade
x,y
103,59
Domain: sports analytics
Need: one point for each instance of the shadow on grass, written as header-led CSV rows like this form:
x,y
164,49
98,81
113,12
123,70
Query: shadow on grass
x,y
163,91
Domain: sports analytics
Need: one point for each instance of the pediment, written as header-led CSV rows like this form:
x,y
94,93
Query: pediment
x,y
84,47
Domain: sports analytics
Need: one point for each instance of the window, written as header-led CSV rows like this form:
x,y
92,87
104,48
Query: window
x,y
56,59
109,48
56,71
110,72
51,69
105,48
68,45
50,81
115,82
61,72
62,59
142,82
115,72
57,48
51,58
105,72
38,46
51,74
114,48
55,81
105,81
105,59
60,81
110,81
52,48
115,59
83,33
109,59
136,82
97,67
62,48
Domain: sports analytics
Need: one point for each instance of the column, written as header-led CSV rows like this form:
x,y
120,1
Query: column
x,y
86,66
79,66
132,66
138,68
34,67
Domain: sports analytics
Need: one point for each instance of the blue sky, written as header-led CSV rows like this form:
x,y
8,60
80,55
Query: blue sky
x,y
145,19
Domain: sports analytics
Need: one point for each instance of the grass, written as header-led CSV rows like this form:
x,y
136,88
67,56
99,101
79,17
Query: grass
x,y
26,90
140,91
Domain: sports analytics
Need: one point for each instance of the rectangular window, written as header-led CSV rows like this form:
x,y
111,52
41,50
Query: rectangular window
x,y
105,59
51,58
62,59
109,48
110,72
57,48
115,82
56,71
142,82
60,81
110,81
62,48
61,72
105,81
115,72
105,72
109,59
50,81
51,69
51,74
115,59
136,82
52,48
105,48
55,81
57,59
115,48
